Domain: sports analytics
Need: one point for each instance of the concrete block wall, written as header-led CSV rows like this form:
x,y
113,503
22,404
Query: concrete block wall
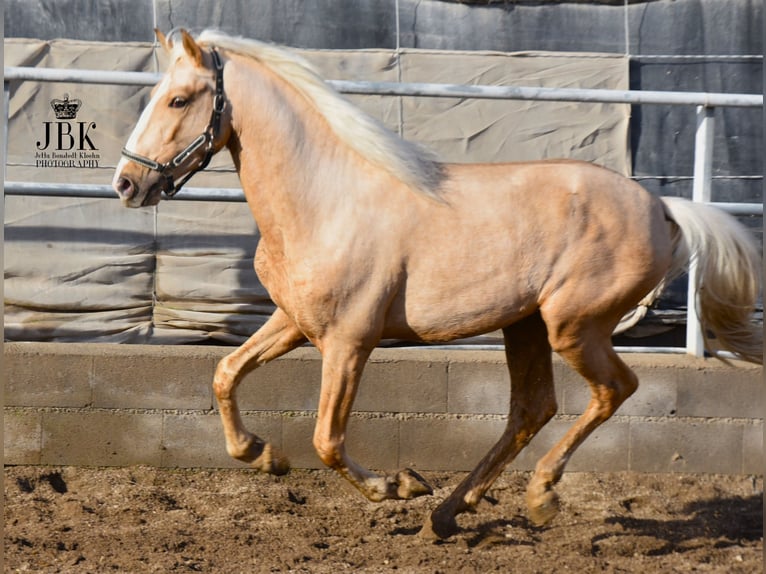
x,y
115,405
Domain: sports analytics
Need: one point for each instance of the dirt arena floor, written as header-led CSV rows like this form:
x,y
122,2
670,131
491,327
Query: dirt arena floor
x,y
141,519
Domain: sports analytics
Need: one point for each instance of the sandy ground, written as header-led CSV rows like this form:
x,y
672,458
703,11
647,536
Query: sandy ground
x,y
141,519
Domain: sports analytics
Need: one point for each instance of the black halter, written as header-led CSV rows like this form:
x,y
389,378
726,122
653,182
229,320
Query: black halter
x,y
206,139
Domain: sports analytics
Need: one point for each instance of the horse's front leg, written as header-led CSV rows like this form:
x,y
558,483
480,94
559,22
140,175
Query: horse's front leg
x,y
276,337
342,366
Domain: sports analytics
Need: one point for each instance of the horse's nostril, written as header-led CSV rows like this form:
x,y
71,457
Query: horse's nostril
x,y
124,188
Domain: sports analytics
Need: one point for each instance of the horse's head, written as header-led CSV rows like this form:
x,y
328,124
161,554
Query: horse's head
x,y
179,131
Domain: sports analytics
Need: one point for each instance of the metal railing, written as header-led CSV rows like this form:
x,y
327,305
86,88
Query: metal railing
x,y
703,146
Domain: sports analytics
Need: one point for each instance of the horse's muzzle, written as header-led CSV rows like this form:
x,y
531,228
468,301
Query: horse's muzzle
x,y
124,188
130,193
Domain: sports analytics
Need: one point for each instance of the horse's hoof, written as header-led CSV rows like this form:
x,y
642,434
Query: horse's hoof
x,y
271,461
438,528
411,485
544,508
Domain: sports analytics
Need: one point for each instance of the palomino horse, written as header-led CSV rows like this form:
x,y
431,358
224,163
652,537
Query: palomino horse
x,y
365,236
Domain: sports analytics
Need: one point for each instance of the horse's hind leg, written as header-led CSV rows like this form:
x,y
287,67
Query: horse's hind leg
x,y
533,403
276,337
611,382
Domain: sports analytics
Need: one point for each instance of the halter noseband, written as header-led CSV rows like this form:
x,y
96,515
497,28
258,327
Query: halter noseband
x,y
207,139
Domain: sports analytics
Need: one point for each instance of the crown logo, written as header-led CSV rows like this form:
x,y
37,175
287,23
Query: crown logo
x,y
65,109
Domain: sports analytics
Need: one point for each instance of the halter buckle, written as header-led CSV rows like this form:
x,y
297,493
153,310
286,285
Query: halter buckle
x,y
219,103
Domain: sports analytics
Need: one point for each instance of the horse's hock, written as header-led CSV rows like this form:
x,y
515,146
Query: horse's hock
x,y
115,405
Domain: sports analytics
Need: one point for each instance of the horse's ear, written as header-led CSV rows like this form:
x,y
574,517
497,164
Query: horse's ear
x,y
161,39
191,48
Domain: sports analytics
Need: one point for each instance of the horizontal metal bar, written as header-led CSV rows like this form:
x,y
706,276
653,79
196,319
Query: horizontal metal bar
x,y
659,350
699,57
691,177
231,194
739,208
490,347
549,94
423,89
106,191
24,74
620,349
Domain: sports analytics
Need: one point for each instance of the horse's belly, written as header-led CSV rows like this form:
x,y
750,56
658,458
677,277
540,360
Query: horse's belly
x,y
434,315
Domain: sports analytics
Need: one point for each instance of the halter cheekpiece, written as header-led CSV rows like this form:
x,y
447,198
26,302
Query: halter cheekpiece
x,y
206,139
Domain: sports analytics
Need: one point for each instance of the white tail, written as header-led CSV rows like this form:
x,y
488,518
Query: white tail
x,y
728,277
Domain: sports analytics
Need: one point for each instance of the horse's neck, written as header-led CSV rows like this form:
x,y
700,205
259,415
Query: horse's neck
x,y
290,164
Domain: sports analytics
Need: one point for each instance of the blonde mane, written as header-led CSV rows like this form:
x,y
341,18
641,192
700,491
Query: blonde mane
x,y
410,163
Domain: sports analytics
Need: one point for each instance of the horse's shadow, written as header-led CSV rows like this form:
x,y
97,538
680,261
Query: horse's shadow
x,y
489,533
493,533
728,521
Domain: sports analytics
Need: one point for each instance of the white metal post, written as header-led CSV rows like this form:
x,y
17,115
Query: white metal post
x,y
4,144
703,176
7,108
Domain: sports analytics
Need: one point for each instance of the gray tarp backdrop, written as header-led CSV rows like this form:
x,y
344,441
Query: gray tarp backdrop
x,y
87,269
182,271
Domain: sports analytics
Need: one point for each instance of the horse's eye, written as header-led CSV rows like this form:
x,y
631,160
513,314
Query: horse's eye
x,y
178,102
